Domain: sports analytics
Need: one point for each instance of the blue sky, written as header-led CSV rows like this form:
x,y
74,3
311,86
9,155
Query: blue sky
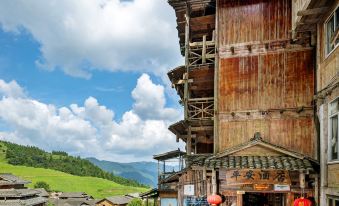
x,y
81,84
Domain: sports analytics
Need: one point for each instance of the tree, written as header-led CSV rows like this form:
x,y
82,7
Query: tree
x,y
135,202
42,184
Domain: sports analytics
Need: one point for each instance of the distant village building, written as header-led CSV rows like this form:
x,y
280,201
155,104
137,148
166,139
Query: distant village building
x,y
168,180
115,201
260,93
14,193
72,202
75,195
73,199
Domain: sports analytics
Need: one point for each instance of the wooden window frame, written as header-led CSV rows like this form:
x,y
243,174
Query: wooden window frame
x,y
333,198
336,32
329,136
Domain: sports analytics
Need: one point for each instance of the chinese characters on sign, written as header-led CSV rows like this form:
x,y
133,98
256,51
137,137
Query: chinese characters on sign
x,y
257,176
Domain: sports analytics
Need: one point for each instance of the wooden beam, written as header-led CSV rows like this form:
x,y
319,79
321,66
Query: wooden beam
x,y
312,11
182,81
203,55
201,128
335,37
189,141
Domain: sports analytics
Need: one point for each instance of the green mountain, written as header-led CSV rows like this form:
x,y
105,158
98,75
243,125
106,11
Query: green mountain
x,y
15,154
143,172
60,181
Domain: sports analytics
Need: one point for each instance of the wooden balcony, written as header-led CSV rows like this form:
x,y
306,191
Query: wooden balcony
x,y
200,108
201,53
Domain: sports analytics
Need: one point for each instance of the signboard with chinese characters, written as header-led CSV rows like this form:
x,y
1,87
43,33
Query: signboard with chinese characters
x,y
282,188
189,190
255,176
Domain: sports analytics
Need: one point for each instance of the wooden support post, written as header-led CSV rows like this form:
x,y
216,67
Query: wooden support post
x,y
289,198
316,188
239,199
189,141
158,169
208,185
204,182
203,53
164,171
185,77
187,38
214,181
204,173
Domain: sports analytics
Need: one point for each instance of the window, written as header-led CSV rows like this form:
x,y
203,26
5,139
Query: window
x,y
333,201
333,130
332,31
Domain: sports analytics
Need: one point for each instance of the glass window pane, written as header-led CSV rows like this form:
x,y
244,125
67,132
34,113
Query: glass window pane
x,y
334,107
334,137
330,202
337,18
330,32
336,202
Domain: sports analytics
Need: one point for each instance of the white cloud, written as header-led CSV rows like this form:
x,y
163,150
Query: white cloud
x,y
78,36
11,89
90,130
150,100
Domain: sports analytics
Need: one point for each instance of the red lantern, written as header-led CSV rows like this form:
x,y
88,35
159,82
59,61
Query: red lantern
x,y
302,202
214,199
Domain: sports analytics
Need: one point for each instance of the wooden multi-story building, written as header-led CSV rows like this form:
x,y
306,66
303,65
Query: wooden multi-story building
x,y
255,72
327,99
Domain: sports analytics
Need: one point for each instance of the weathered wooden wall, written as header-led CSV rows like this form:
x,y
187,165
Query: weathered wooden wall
x,y
296,134
329,69
168,194
201,187
272,82
253,20
266,81
333,175
275,76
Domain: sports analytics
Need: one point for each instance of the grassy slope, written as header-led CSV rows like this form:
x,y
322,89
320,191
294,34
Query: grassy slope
x,y
60,181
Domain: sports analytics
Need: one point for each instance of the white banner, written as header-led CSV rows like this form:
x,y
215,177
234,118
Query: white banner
x,y
189,190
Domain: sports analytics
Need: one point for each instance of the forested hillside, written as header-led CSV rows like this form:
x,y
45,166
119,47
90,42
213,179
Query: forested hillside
x,y
61,161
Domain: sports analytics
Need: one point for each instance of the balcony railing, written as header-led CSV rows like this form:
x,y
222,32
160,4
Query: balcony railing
x,y
200,108
201,52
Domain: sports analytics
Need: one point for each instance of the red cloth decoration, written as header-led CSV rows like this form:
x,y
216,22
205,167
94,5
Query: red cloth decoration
x,y
302,202
214,199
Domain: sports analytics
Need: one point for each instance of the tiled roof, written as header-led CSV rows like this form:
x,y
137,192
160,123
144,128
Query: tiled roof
x,y
72,202
73,195
251,162
119,200
26,202
18,193
42,192
169,155
9,179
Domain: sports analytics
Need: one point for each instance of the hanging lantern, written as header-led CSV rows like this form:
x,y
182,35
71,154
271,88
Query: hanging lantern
x,y
302,202
214,199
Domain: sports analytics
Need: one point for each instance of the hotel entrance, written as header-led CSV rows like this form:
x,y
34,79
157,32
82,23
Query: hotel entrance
x,y
264,199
